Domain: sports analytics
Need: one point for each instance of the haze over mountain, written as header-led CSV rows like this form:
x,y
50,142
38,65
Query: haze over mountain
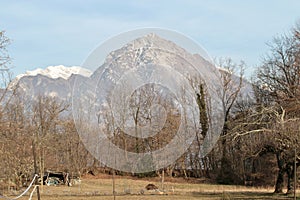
x,y
58,81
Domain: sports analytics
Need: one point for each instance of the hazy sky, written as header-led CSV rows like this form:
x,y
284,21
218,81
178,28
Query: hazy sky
x,y
64,32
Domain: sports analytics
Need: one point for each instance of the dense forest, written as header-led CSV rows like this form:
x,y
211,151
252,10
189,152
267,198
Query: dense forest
x,y
258,145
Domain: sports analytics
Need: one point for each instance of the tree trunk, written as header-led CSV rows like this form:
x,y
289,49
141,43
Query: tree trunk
x,y
290,176
224,160
280,176
223,143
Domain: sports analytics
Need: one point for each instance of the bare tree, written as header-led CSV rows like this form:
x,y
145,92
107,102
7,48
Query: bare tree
x,y
12,121
4,60
229,94
45,123
5,74
276,116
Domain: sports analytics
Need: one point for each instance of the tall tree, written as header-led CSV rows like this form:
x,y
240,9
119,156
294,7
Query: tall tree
x,y
5,74
278,80
229,94
4,57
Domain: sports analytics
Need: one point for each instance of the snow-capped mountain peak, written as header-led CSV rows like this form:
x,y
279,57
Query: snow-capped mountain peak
x,y
58,71
52,72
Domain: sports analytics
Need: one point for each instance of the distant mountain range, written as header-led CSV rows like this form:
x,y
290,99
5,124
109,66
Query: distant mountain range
x,y
58,81
54,81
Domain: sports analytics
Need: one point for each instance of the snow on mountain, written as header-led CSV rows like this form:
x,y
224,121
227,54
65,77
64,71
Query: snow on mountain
x,y
58,71
52,72
148,57
149,49
152,50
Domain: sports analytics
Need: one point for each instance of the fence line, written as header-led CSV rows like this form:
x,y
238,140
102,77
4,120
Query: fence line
x,y
23,193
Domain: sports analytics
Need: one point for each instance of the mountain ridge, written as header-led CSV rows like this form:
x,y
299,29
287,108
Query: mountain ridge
x,y
150,48
56,71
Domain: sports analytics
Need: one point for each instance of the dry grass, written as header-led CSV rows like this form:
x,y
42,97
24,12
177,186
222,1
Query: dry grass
x,y
131,189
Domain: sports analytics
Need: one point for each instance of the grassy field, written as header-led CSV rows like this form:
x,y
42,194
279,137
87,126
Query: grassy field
x,y
92,188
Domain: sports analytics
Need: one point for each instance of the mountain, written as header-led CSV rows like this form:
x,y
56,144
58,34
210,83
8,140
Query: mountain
x,y
148,58
58,71
150,50
58,81
54,81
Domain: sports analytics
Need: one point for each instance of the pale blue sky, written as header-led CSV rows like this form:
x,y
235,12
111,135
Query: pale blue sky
x,y
57,32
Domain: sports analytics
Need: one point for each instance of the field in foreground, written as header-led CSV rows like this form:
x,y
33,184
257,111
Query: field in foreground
x,y
92,188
